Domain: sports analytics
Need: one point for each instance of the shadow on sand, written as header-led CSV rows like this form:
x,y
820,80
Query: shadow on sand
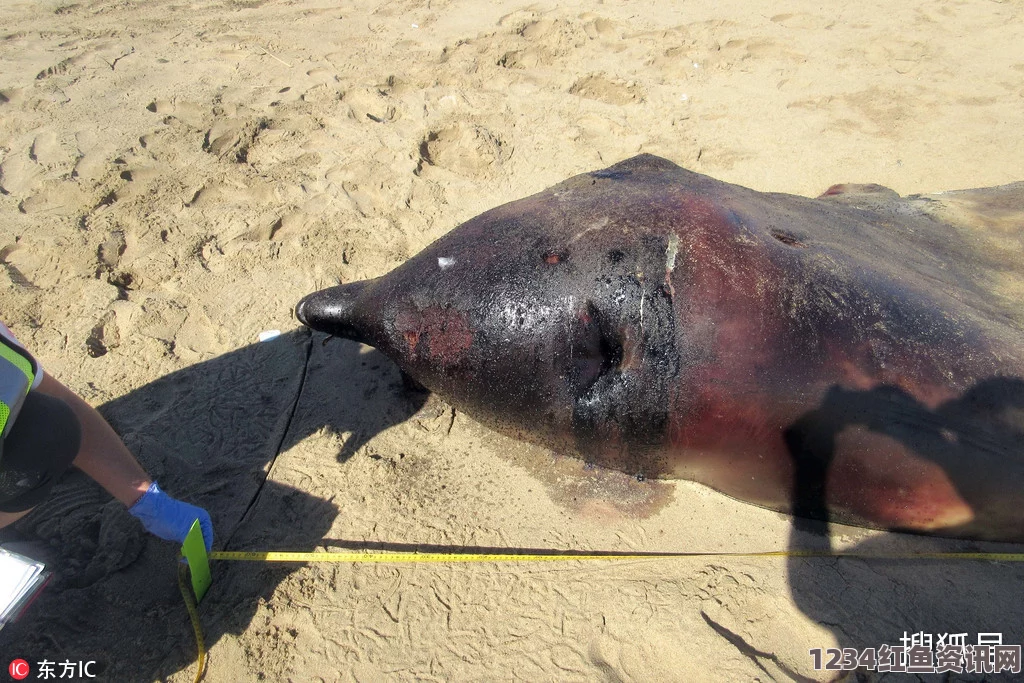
x,y
210,434
867,603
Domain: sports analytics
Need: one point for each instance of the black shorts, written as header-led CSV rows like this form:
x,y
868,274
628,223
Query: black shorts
x,y
37,451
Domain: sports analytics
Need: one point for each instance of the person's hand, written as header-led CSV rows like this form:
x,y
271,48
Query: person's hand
x,y
170,519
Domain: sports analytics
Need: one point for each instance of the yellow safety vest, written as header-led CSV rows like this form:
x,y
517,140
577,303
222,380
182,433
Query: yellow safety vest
x,y
17,374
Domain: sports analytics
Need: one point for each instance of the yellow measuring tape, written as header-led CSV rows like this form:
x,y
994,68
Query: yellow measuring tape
x,y
394,557
193,615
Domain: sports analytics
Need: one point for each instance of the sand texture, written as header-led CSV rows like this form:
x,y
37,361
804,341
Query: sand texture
x,y
175,176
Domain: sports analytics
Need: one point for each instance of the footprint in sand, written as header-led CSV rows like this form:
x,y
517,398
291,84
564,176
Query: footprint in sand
x,y
748,53
609,90
535,30
142,175
12,96
23,174
599,27
232,194
517,21
370,104
92,165
110,252
10,265
322,76
295,223
370,186
19,174
54,196
231,138
30,263
46,150
189,113
94,157
529,58
67,66
322,94
103,336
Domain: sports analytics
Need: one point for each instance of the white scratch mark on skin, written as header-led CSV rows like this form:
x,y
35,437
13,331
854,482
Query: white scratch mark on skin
x,y
670,263
445,262
641,309
670,253
640,278
596,225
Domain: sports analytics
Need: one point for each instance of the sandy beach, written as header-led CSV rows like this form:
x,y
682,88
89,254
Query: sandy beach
x,y
176,176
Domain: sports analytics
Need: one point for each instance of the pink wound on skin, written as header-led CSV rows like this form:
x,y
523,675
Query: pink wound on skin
x,y
445,331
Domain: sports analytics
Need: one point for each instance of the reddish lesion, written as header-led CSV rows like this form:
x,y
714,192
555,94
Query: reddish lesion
x,y
445,331
553,258
732,441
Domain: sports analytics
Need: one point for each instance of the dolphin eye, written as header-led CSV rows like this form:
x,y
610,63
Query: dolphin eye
x,y
595,349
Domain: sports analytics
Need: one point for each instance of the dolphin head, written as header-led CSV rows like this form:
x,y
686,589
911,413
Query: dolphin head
x,y
550,318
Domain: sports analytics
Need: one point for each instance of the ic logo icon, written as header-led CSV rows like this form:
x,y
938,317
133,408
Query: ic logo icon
x,y
19,669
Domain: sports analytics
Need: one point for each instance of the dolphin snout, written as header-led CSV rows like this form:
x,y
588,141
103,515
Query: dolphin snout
x,y
334,310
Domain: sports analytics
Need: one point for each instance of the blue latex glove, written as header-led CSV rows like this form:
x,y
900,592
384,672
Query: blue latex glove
x,y
168,518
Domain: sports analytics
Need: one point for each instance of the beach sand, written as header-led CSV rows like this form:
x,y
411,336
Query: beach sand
x,y
176,176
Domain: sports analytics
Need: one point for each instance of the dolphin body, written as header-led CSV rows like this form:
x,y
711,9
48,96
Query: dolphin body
x,y
855,357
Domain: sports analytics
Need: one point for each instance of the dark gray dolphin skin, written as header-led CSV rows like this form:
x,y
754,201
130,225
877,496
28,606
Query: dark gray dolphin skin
x,y
856,357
